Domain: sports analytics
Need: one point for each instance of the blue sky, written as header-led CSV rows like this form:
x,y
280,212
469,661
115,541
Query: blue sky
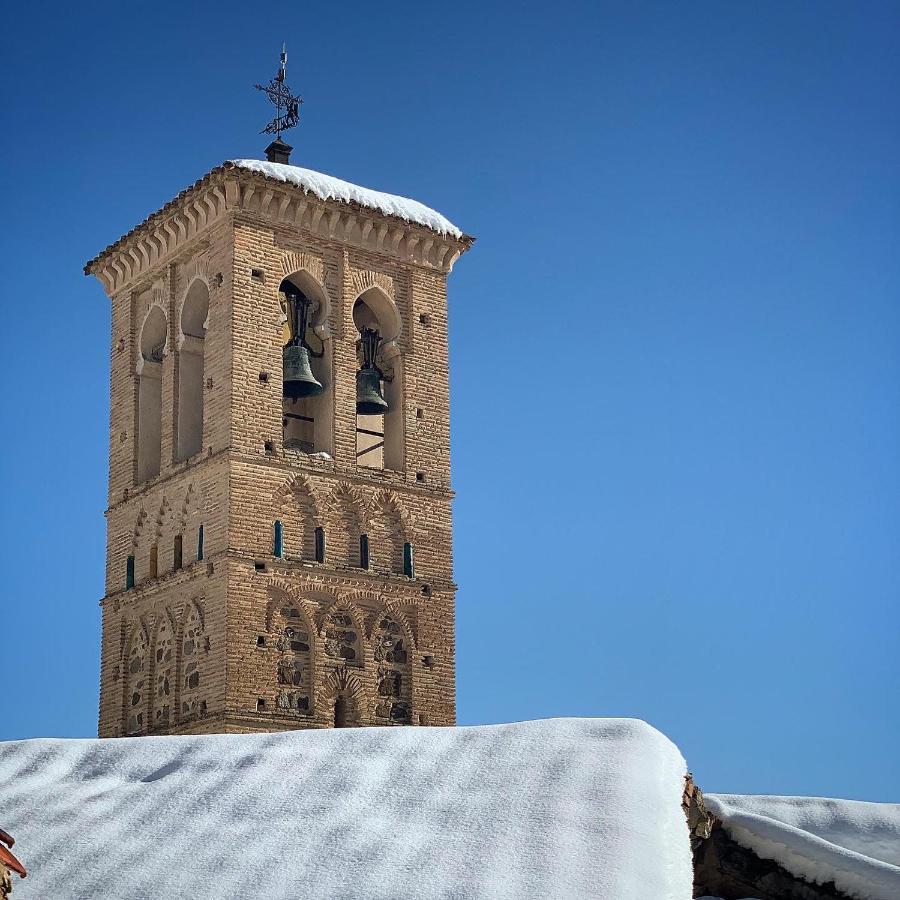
x,y
675,364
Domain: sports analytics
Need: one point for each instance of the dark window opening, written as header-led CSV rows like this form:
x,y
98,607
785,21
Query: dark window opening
x,y
259,565
269,447
154,561
278,548
261,640
199,543
260,705
364,551
408,562
340,713
178,552
129,573
320,544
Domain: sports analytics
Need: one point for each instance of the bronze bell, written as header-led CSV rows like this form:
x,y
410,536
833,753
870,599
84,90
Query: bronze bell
x,y
299,380
369,399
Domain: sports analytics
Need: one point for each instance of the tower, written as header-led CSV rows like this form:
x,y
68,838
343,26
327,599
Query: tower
x,y
278,553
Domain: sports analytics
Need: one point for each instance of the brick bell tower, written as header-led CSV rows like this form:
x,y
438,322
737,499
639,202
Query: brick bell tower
x,y
279,525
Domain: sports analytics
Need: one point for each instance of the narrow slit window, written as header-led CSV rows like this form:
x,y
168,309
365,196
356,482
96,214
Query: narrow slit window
x,y
320,544
154,561
178,555
199,543
278,548
364,551
129,573
408,561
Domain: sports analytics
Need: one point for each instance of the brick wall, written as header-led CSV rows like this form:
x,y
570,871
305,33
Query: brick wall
x,y
242,641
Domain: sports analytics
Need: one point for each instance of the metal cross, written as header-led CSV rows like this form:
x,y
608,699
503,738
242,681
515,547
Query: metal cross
x,y
287,106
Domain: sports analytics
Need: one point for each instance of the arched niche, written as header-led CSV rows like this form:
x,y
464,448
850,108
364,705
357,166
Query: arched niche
x,y
308,422
391,648
191,364
152,344
380,438
135,682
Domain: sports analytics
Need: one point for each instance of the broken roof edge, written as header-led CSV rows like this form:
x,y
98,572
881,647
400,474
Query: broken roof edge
x,y
7,857
464,240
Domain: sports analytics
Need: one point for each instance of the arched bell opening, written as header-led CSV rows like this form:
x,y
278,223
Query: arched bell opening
x,y
191,364
308,405
149,413
379,384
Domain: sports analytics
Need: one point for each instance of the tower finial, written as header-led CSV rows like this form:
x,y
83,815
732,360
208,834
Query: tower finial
x,y
287,107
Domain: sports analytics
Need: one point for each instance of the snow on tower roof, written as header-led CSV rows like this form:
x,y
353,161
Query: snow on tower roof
x,y
327,187
570,808
855,844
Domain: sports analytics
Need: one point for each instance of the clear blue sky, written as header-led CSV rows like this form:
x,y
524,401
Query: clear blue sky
x,y
675,345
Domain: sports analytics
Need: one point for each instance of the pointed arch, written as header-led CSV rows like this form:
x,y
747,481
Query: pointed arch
x,y
388,532
307,272
290,649
343,684
138,550
193,657
308,422
152,347
386,313
342,629
380,437
193,321
282,592
187,522
163,668
297,508
196,267
164,529
392,653
153,335
193,318
349,509
402,611
136,694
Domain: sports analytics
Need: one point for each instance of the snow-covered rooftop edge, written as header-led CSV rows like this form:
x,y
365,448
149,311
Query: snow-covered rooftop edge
x,y
853,843
557,808
327,187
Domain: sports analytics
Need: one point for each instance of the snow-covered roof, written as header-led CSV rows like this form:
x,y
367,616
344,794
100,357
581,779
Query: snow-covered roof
x,y
559,808
327,187
855,844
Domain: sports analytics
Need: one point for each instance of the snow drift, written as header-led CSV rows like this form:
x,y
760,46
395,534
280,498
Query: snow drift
x,y
854,844
327,187
560,808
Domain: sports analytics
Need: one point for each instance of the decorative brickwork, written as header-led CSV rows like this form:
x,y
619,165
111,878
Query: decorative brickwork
x,y
217,633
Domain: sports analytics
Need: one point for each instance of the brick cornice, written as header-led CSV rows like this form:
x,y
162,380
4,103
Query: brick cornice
x,y
226,188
